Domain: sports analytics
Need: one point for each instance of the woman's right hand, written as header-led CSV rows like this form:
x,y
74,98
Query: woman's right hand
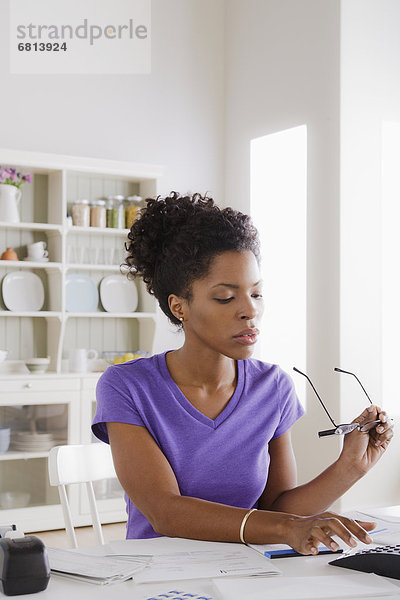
x,y
305,534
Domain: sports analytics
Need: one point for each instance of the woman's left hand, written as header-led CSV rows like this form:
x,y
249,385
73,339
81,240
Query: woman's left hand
x,y
364,449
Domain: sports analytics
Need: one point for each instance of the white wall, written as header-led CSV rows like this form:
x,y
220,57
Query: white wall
x,y
173,117
282,70
370,94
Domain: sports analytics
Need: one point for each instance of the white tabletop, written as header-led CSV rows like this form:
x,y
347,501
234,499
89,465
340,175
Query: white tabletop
x,y
67,589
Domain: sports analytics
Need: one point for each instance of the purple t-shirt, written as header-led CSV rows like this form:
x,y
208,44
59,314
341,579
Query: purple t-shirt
x,y
223,460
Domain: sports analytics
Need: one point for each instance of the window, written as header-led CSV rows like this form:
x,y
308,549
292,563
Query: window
x,y
390,264
278,196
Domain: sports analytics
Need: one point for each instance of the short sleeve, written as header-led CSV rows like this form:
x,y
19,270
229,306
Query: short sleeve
x,y
290,407
115,404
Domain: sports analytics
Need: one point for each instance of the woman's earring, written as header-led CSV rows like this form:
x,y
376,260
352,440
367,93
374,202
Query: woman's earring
x,y
181,319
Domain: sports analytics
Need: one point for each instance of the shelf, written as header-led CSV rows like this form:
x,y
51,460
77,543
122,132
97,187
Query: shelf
x,y
58,181
36,517
107,315
98,230
41,313
16,371
14,455
30,264
31,226
88,267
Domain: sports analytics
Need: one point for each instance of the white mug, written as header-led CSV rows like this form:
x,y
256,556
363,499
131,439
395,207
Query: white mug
x,y
78,359
37,250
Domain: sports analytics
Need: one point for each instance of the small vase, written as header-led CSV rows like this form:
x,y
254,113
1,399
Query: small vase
x,y
10,196
9,254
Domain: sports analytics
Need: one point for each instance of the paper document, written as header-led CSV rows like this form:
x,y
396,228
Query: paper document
x,y
163,545
237,561
178,558
262,548
95,569
353,585
386,531
385,513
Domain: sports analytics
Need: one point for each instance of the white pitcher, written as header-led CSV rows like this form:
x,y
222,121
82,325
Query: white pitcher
x,y
78,359
10,196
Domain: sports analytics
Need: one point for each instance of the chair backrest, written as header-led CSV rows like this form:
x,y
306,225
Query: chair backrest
x,y
80,464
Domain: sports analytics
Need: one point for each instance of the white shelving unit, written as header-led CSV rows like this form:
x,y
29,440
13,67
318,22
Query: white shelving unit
x,y
53,331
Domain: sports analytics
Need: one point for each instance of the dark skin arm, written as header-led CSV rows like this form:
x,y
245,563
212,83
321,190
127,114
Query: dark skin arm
x,y
360,453
149,481
282,492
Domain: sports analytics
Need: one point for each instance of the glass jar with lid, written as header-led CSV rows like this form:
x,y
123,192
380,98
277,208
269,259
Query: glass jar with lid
x,y
81,213
132,206
118,212
98,213
109,211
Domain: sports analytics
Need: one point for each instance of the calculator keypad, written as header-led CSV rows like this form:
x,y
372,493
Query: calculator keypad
x,y
386,549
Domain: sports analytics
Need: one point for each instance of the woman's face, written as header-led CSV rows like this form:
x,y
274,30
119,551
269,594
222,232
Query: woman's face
x,y
226,305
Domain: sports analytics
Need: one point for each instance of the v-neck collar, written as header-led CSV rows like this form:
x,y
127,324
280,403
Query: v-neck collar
x,y
188,406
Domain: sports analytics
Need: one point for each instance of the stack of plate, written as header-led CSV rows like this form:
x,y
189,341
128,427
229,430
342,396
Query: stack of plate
x,y
25,441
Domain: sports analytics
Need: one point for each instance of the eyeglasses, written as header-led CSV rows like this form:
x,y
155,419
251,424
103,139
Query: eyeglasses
x,y
344,428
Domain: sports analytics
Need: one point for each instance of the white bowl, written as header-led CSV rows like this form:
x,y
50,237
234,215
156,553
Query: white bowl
x,y
3,355
14,499
37,365
110,355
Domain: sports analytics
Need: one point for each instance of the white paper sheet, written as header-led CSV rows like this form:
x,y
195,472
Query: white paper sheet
x,y
237,561
163,545
178,558
387,530
180,594
96,569
386,513
354,585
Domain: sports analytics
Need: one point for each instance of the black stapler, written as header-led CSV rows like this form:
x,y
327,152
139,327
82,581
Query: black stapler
x,y
24,565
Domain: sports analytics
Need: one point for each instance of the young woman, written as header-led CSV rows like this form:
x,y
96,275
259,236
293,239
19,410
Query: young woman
x,y
200,436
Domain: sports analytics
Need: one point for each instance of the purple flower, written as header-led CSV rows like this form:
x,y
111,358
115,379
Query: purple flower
x,y
11,176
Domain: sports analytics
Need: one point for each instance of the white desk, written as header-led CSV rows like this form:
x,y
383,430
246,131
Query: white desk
x,y
305,566
67,589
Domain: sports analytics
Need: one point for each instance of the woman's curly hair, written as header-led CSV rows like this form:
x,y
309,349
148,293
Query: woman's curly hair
x,y
175,238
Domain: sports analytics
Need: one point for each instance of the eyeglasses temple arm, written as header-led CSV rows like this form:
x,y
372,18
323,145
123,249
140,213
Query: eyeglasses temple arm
x,y
327,432
318,396
354,375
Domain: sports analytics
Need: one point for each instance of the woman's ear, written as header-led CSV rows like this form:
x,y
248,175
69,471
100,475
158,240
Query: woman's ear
x,y
178,307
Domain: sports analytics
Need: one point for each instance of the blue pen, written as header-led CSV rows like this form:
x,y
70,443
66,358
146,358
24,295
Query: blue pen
x,y
288,552
377,531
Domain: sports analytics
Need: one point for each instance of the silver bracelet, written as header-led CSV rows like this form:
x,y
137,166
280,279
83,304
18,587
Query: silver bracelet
x,y
244,521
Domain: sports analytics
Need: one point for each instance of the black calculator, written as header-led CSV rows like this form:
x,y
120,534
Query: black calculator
x,y
382,560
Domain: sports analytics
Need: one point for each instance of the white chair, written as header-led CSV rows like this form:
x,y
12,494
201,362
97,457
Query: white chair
x,y
80,464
